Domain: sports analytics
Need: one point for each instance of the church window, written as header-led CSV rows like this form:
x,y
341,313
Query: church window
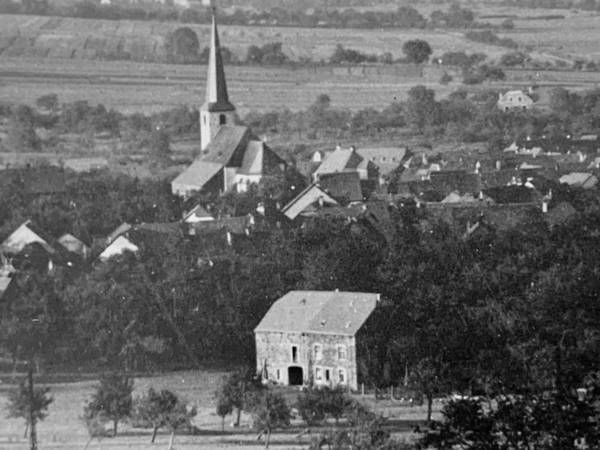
x,y
222,119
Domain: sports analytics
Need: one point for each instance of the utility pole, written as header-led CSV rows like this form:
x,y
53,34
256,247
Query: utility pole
x,y
32,432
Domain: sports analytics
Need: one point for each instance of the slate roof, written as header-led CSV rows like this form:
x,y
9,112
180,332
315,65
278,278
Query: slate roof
x,y
326,312
579,179
226,142
342,186
198,174
449,181
305,200
339,161
73,244
387,159
252,163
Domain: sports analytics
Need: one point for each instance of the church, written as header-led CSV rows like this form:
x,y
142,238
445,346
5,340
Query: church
x,y
232,157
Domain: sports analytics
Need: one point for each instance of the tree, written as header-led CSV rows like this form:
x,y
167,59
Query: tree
x,y
159,144
310,406
224,408
417,51
269,411
422,110
29,403
163,409
21,134
112,399
235,391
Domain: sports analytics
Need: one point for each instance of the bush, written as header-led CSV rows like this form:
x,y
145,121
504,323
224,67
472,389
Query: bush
x,y
417,51
311,406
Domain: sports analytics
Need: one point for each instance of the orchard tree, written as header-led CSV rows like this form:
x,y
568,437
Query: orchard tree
x,y
29,403
235,392
112,399
162,409
269,411
422,110
417,51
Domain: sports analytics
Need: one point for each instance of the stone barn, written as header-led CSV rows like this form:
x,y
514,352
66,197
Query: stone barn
x,y
309,337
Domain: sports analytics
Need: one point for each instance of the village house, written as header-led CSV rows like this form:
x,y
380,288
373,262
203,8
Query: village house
x,y
514,100
309,338
232,157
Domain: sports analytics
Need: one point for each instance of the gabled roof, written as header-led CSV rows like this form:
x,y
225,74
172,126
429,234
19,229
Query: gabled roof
x,y
449,181
338,161
23,236
198,214
228,140
217,98
326,312
343,186
387,159
309,196
118,247
197,174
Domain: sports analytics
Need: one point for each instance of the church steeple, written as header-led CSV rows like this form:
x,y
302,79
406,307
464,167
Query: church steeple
x,y
217,110
216,86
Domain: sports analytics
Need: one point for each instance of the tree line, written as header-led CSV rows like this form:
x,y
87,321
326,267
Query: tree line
x,y
402,17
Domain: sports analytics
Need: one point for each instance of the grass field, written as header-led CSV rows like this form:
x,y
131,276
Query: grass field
x,y
63,428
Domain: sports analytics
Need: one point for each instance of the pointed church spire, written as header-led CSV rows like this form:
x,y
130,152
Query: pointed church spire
x,y
216,87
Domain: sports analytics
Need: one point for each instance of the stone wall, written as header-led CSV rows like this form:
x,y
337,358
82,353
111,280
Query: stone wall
x,y
274,352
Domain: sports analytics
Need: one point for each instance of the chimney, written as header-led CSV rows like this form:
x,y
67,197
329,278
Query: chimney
x,y
545,205
498,164
353,148
550,193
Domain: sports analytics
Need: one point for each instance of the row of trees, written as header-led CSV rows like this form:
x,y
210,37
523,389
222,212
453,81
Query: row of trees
x,y
402,17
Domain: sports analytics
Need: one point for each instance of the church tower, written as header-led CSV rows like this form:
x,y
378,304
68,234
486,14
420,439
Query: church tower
x,y
216,110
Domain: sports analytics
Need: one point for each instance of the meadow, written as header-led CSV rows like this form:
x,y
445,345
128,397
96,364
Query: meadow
x,y
64,429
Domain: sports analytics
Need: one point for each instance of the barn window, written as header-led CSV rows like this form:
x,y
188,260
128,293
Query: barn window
x,y
278,374
318,351
294,353
222,119
204,120
341,376
341,351
327,376
318,374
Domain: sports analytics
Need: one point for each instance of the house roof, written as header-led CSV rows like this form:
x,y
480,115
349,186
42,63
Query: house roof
x,y
387,159
121,229
305,199
197,214
23,236
72,244
448,181
235,225
327,312
338,161
119,246
197,174
343,186
579,179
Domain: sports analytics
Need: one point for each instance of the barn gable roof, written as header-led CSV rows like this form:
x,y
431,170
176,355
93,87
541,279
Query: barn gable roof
x,y
325,312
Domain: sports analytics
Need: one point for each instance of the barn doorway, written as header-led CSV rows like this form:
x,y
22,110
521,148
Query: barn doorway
x,y
295,377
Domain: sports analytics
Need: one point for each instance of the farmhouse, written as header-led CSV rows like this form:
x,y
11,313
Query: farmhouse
x,y
309,337
232,157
